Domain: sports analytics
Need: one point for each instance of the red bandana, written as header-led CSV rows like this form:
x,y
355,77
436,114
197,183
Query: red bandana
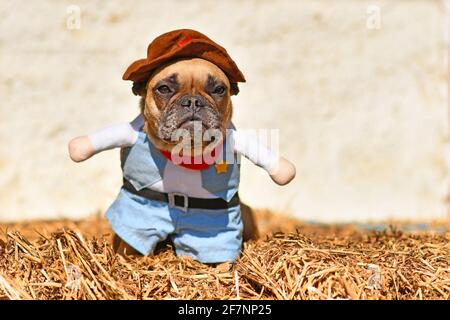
x,y
195,163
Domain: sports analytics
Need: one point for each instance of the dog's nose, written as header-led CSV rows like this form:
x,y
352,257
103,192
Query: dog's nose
x,y
192,101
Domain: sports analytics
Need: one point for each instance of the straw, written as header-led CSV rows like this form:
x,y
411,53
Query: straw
x,y
75,260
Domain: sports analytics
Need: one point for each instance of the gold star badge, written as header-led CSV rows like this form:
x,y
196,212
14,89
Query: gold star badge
x,y
221,167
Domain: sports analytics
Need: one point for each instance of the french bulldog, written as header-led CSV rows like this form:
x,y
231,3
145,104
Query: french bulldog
x,y
196,205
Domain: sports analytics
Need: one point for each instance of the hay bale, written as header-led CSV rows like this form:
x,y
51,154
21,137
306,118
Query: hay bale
x,y
307,263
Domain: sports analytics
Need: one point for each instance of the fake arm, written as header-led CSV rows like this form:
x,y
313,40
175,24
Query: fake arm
x,y
281,170
115,136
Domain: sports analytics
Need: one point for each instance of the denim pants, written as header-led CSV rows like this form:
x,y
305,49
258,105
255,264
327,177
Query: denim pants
x,y
209,236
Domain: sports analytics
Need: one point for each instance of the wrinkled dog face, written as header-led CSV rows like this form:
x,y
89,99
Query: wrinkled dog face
x,y
190,96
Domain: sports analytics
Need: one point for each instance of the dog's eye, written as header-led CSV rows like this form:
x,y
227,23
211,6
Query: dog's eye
x,y
163,89
219,90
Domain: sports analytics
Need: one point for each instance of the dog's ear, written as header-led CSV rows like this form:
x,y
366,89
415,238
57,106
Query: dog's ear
x,y
139,88
234,89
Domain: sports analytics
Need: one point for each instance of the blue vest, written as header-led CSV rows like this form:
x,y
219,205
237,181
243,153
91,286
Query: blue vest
x,y
143,165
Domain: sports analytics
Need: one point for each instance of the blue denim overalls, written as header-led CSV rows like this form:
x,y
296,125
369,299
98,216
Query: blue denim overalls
x,y
207,235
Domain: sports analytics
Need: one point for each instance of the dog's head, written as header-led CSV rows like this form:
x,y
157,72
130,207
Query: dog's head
x,y
187,96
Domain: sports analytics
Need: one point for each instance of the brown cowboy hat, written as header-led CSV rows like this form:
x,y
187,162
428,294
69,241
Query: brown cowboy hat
x,y
183,43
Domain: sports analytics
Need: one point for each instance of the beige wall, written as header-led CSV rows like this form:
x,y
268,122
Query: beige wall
x,y
362,112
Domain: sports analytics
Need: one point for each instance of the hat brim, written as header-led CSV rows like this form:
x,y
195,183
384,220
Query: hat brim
x,y
141,69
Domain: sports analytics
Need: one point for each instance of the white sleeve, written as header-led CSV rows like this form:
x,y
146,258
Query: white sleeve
x,y
117,135
250,147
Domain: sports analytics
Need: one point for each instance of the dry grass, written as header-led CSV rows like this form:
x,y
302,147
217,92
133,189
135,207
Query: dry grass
x,y
298,262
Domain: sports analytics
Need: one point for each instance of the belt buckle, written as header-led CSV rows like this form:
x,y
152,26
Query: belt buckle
x,y
172,204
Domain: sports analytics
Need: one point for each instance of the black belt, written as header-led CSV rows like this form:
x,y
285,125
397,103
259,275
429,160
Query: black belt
x,y
182,201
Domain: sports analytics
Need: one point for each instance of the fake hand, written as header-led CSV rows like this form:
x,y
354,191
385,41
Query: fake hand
x,y
80,148
283,172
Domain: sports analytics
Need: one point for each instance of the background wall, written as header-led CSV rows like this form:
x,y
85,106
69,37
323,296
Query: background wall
x,y
360,99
